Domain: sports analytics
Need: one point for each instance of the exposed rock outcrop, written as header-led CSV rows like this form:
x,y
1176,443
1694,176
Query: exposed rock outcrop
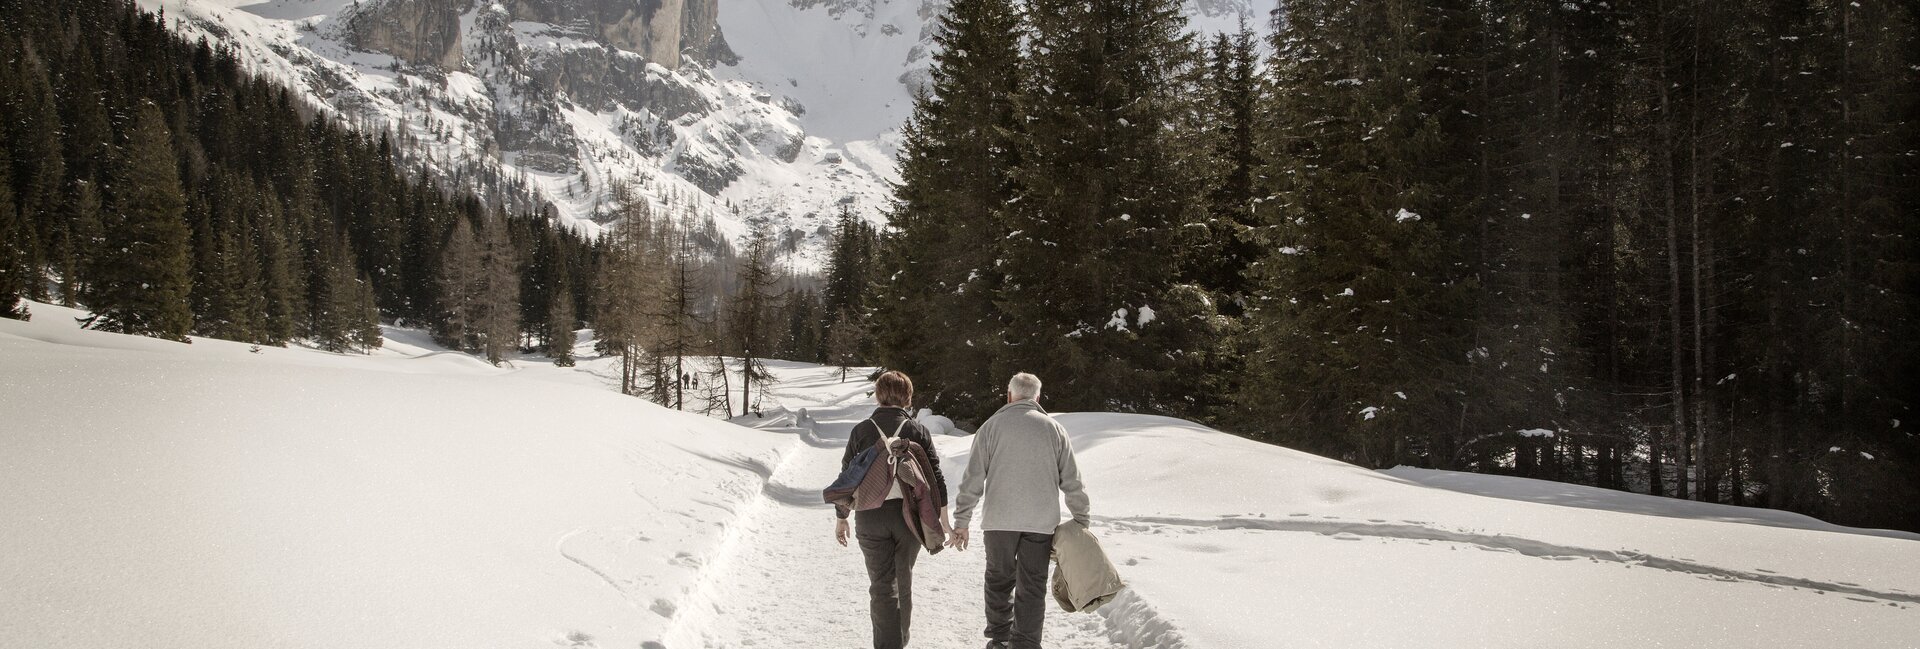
x,y
420,32
428,32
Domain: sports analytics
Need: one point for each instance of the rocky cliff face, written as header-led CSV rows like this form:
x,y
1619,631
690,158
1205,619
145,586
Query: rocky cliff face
x,y
421,32
428,32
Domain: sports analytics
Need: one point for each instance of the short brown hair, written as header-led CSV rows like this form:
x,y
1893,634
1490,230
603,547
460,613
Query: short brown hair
x,y
893,389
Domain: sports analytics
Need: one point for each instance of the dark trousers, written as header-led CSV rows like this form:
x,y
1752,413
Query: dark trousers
x,y
1017,586
891,550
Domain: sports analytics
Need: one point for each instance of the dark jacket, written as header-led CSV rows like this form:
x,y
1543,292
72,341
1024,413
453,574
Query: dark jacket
x,y
865,435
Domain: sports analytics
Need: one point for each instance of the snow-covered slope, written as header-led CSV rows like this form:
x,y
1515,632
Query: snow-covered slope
x,y
1233,543
776,110
170,496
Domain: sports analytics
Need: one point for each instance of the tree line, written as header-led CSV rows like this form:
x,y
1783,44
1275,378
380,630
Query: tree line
x,y
158,185
1656,245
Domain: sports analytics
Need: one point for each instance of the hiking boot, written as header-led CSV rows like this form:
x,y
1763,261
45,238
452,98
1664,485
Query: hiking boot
x,y
996,644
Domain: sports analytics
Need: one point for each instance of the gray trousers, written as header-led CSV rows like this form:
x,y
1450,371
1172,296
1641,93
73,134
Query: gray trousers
x,y
890,549
1017,586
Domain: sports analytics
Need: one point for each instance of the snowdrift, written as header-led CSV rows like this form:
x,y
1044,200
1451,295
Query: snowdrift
x,y
161,495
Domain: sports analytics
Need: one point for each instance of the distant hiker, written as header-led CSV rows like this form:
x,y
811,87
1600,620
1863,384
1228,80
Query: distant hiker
x,y
1021,463
892,534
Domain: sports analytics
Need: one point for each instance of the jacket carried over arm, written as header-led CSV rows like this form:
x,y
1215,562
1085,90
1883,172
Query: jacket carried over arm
x,y
884,419
1021,462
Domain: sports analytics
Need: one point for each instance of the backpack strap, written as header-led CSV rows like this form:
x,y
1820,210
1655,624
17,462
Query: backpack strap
x,y
886,442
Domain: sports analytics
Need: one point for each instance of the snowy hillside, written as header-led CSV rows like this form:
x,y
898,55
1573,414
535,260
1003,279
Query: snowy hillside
x,y
212,496
167,495
782,110
1233,543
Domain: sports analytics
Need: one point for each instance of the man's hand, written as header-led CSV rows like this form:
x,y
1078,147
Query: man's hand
x,y
957,539
840,531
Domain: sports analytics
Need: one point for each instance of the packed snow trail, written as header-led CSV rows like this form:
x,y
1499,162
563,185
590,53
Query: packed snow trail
x,y
784,582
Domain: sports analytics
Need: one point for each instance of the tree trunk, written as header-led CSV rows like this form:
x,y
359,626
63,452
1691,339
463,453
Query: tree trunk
x,y
1677,364
1700,452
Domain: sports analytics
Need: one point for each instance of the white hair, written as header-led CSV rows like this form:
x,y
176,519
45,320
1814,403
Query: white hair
x,y
1024,386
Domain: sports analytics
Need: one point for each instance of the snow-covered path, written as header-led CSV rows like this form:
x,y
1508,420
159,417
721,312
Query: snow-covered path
x,y
784,582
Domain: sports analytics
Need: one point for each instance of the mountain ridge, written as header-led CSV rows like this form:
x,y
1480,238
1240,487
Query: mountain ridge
x,y
774,114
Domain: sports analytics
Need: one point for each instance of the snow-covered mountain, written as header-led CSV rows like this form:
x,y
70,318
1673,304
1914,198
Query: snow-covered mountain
x,y
744,110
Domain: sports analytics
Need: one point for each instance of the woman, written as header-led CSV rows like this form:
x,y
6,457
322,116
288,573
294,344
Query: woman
x,y
890,547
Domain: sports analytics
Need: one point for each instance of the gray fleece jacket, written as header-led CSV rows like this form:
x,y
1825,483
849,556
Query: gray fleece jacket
x,y
1021,463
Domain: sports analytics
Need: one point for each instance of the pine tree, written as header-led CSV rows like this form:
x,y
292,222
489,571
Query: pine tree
x,y
461,281
82,242
560,323
750,322
936,271
1109,181
12,262
143,274
38,169
280,286
849,258
366,334
1352,312
801,340
500,297
1232,92
630,276
336,304
677,320
843,342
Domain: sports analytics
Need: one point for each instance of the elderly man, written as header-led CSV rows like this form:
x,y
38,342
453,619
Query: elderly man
x,y
1021,463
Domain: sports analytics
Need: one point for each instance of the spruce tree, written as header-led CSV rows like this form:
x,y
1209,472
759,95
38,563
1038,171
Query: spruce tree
x,y
1356,346
500,296
280,288
366,334
560,323
937,270
335,298
1231,95
801,341
39,172
12,262
85,239
143,275
1109,181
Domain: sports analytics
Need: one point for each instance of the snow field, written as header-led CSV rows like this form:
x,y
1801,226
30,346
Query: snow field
x,y
211,495
166,495
1242,544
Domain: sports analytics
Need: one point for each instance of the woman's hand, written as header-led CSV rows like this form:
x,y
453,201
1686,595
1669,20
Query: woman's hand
x,y
840,531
